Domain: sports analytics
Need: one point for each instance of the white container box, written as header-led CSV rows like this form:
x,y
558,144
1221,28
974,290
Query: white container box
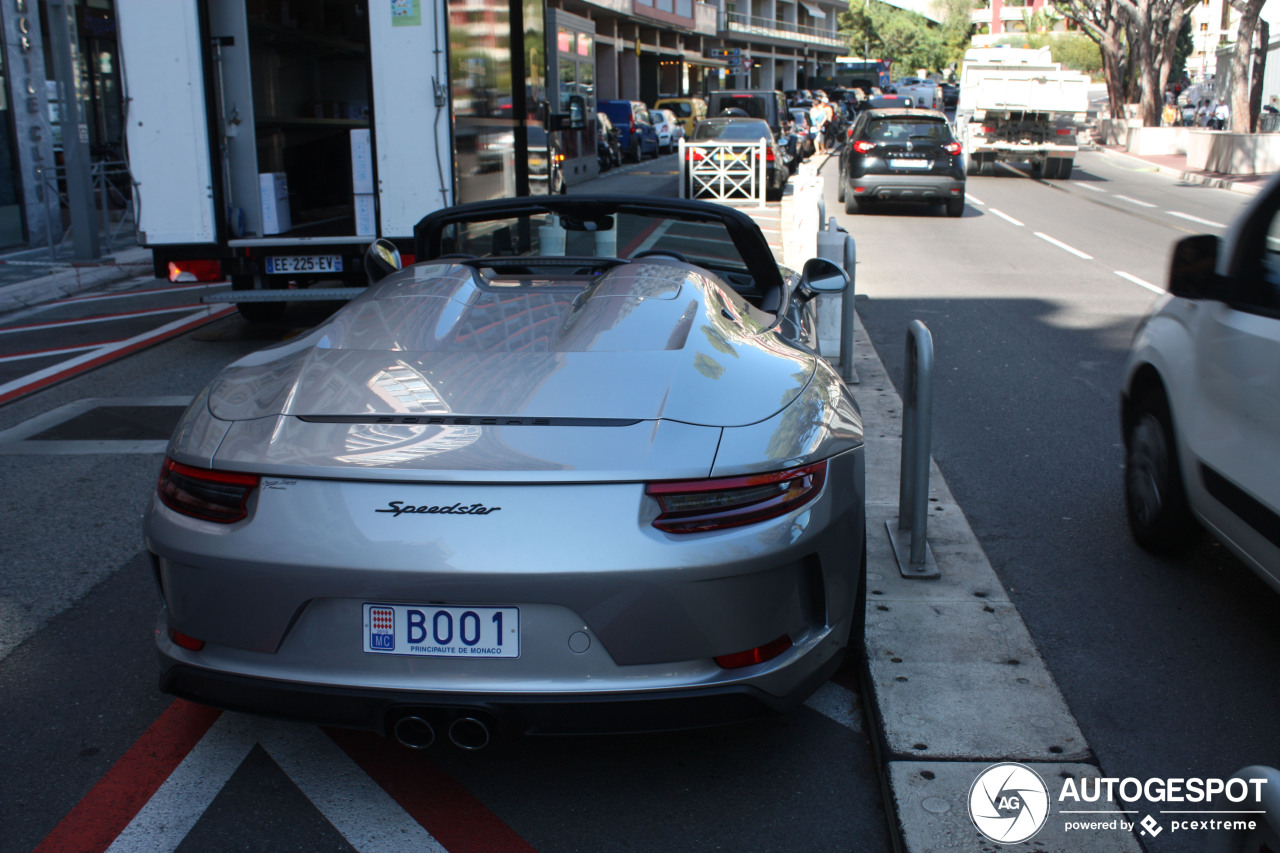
x,y
366,216
273,189
361,162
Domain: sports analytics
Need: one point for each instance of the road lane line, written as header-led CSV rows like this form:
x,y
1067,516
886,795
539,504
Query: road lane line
x,y
1188,216
47,353
973,200
431,796
98,357
98,318
162,824
1133,278
1135,201
366,815
124,790
836,703
129,294
1062,245
1093,188
1004,215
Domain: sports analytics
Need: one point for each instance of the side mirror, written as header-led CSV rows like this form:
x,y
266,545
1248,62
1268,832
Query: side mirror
x,y
381,259
1192,270
822,276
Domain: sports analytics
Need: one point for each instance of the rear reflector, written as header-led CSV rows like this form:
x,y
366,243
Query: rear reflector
x,y
191,270
700,505
760,654
219,496
189,643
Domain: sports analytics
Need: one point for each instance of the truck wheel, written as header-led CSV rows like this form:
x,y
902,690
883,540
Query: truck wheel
x,y
1050,169
256,312
1064,168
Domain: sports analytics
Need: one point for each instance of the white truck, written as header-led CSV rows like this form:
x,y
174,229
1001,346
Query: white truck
x,y
1018,105
271,141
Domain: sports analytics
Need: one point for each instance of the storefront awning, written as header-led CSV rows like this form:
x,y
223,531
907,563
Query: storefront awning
x,y
816,11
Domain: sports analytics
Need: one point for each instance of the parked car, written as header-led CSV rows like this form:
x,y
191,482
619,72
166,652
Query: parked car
x,y
901,155
677,129
546,162
636,134
689,111
767,104
503,491
1200,402
608,150
665,127
738,129
887,101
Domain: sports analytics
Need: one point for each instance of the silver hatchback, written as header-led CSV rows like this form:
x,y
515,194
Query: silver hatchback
x,y
578,469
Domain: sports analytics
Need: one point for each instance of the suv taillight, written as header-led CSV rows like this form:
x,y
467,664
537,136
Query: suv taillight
x,y
862,146
219,496
952,148
699,505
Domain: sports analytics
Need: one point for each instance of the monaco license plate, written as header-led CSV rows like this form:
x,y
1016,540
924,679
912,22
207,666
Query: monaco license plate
x,y
908,164
449,632
304,263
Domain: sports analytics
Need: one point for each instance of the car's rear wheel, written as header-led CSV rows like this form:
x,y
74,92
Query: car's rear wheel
x,y
1155,498
955,206
840,189
636,154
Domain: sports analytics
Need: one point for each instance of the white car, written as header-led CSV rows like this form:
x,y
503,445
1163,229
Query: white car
x,y
665,125
677,126
1200,407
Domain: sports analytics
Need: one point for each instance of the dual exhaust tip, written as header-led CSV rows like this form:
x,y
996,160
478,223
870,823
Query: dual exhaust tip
x,y
468,733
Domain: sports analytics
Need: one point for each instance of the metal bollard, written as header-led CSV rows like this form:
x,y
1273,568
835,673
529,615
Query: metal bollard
x,y
836,244
913,483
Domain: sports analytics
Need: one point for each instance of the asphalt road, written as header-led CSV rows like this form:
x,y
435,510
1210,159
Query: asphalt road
x,y
1032,299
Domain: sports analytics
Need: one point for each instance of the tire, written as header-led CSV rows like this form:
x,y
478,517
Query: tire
x,y
856,646
862,205
840,189
1154,495
1064,169
850,201
955,207
636,154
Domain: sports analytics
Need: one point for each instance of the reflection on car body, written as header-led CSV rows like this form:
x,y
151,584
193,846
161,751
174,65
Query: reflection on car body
x,y
579,468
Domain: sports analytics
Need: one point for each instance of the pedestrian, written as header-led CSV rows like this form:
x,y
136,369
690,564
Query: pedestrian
x,y
1221,115
1169,117
818,118
1202,113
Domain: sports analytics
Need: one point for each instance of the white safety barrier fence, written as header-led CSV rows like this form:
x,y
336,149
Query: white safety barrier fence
x,y
724,171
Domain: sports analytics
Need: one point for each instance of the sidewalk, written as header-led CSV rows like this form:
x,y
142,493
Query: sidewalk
x,y
1176,166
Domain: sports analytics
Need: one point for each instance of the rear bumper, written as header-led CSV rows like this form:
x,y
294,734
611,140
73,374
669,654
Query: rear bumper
x,y
523,714
929,188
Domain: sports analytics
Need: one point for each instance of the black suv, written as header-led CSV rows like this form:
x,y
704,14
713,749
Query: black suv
x,y
901,155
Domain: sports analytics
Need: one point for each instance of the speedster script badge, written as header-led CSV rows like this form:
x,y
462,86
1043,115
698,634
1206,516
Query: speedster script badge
x,y
400,508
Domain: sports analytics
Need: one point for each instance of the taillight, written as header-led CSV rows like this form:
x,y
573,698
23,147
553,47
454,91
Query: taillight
x,y
699,505
220,496
1066,131
862,146
768,155
193,270
952,148
694,154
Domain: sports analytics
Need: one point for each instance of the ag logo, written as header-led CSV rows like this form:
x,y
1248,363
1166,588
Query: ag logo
x,y
1008,803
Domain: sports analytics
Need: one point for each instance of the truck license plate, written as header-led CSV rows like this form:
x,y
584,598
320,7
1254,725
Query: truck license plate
x,y
304,263
434,631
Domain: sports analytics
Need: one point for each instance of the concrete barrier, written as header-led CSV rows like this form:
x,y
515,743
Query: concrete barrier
x,y
1233,153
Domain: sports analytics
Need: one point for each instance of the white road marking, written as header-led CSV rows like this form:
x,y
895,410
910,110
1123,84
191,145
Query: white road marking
x,y
1133,278
973,200
47,353
1188,216
366,815
1004,215
1091,187
1135,201
1062,245
836,703
101,318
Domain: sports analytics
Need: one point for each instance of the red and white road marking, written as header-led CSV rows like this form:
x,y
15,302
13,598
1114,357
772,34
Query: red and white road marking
x,y
110,352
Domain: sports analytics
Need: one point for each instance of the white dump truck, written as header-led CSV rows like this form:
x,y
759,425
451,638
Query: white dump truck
x,y
1019,106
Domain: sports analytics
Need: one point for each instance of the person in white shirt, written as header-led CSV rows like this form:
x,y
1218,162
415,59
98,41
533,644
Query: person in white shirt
x,y
1221,115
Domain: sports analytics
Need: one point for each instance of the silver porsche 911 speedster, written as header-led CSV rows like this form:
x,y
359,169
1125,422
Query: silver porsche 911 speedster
x,y
577,469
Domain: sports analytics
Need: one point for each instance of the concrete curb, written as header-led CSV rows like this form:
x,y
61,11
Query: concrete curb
x,y
68,281
1182,174
953,680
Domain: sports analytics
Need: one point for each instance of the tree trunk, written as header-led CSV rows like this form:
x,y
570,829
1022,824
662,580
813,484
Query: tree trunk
x,y
1241,53
1259,69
